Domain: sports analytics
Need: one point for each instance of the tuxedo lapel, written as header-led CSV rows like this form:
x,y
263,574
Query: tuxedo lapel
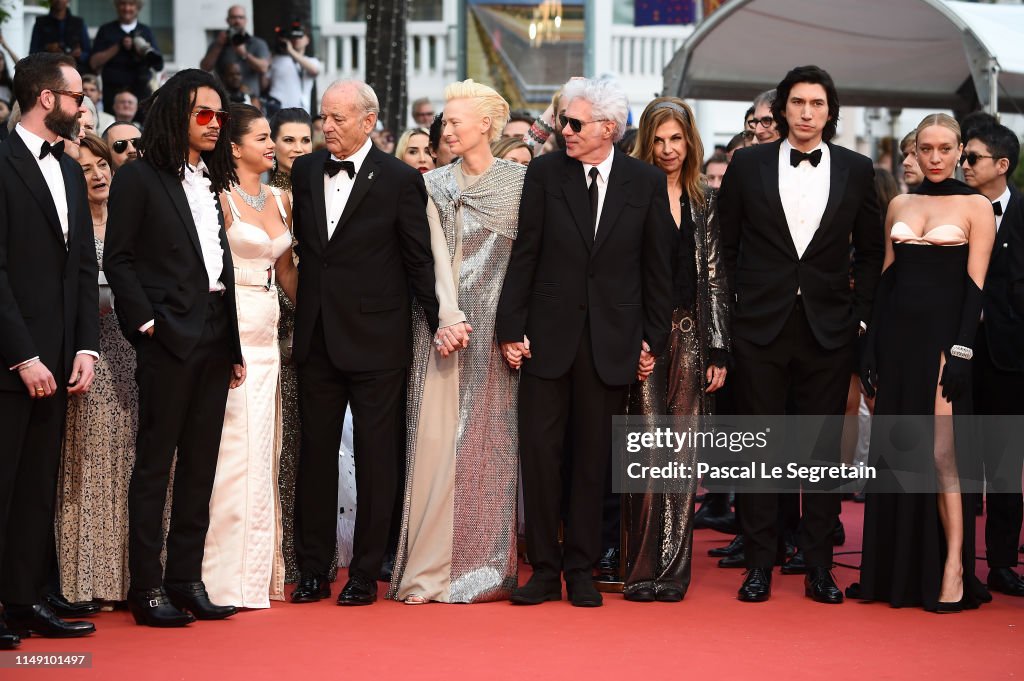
x,y
770,182
177,194
364,179
575,190
1013,218
839,173
26,167
316,185
614,199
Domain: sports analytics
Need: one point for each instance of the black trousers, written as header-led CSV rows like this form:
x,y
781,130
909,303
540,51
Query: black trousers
x,y
816,381
181,409
32,433
376,400
999,392
579,405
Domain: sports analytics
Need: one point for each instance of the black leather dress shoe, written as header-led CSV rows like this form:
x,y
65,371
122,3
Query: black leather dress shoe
x,y
65,608
668,594
358,591
736,560
583,593
795,565
730,549
536,591
642,592
821,586
725,523
757,586
839,534
38,619
608,566
152,608
192,597
1005,581
8,639
311,588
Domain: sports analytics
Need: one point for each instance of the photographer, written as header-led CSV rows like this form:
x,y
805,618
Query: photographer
x,y
60,31
291,72
125,54
235,46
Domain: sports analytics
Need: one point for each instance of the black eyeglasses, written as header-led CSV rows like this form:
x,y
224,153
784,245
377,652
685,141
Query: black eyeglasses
x,y
79,97
120,146
576,124
971,158
763,121
204,116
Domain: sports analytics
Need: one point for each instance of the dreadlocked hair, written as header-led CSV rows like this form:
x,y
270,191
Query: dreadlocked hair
x,y
164,141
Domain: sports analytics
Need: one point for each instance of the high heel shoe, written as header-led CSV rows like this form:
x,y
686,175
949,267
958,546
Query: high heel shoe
x,y
945,608
415,599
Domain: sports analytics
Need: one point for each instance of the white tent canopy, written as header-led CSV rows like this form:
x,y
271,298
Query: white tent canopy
x,y
905,53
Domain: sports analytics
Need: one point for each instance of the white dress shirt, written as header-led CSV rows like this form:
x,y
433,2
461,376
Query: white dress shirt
x,y
804,193
337,189
604,168
1003,199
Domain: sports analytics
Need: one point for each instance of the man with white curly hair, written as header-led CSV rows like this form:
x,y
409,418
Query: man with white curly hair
x,y
585,308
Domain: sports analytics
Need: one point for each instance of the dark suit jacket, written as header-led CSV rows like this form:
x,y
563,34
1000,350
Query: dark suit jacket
x,y
764,269
1004,321
560,274
154,263
360,281
49,303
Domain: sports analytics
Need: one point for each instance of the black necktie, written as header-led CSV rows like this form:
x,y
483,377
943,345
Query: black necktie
x,y
997,208
593,196
796,157
56,149
333,167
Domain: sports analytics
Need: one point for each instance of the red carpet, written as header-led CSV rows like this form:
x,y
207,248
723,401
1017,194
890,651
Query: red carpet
x,y
710,634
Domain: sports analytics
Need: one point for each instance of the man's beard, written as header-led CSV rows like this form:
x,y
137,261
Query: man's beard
x,y
62,124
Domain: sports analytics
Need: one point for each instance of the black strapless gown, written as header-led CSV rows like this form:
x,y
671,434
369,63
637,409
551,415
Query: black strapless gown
x,y
904,542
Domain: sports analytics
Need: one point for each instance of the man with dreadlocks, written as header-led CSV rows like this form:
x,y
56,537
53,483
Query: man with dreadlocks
x,y
169,266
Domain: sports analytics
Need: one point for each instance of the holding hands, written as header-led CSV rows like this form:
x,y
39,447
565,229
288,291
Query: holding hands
x,y
448,339
646,364
515,353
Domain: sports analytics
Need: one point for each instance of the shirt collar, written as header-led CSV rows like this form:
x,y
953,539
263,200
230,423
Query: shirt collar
x,y
358,157
128,28
1004,198
604,168
192,174
33,141
787,147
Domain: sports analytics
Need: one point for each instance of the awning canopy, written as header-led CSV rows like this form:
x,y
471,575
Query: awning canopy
x,y
900,53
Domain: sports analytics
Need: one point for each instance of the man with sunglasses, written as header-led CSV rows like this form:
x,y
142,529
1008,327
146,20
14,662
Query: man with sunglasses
x,y
585,308
169,266
49,330
123,139
990,157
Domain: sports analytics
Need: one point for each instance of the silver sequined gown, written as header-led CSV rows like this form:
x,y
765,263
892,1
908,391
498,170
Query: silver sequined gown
x,y
458,538
660,525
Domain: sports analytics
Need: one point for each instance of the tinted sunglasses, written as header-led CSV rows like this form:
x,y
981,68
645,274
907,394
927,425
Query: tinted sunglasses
x,y
972,157
204,116
576,124
120,146
79,97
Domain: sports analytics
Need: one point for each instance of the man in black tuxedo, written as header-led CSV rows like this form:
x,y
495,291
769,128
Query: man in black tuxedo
x,y
169,267
363,246
788,212
49,331
585,308
990,157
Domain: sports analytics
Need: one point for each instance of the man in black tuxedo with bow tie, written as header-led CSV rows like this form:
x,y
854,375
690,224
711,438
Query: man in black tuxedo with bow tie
x,y
788,212
49,330
363,245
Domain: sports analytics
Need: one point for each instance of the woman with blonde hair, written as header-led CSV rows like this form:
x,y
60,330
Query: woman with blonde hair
x,y
413,149
457,542
696,363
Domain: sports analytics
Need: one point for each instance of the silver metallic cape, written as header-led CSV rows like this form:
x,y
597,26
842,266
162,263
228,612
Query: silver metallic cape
x,y
483,562
660,526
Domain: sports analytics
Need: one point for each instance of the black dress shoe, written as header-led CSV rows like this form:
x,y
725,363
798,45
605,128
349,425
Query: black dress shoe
x,y
8,639
65,608
583,593
311,588
152,608
736,560
730,549
358,591
839,534
192,597
608,566
821,586
1006,581
536,591
668,594
757,586
725,523
795,565
24,620
641,592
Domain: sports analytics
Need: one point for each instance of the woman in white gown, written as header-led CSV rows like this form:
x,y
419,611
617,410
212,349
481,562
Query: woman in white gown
x,y
243,565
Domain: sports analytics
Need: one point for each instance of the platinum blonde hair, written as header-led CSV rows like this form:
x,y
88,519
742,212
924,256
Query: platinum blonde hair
x,y
366,98
487,103
608,100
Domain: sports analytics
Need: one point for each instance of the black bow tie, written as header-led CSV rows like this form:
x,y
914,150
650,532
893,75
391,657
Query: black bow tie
x,y
997,208
796,157
56,149
332,167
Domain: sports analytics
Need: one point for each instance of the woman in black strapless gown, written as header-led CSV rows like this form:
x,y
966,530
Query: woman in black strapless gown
x,y
919,547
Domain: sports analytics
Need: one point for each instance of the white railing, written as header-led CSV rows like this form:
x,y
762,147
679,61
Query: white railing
x,y
637,56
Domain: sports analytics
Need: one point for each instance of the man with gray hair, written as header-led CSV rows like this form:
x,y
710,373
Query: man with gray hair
x,y
585,308
764,124
360,218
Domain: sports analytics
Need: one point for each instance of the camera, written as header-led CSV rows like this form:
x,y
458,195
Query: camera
x,y
287,34
239,37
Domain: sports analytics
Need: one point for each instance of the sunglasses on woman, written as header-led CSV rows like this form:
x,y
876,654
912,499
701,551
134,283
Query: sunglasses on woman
x,y
120,146
204,116
576,124
79,97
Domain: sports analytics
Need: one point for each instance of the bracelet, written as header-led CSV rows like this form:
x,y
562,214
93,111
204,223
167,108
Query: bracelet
x,y
543,124
961,351
539,133
26,365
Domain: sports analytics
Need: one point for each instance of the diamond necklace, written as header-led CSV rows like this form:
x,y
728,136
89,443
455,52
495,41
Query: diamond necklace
x,y
256,202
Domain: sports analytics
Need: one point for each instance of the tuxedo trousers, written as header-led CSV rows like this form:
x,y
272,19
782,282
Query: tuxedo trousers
x,y
815,380
181,415
377,400
999,392
576,408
